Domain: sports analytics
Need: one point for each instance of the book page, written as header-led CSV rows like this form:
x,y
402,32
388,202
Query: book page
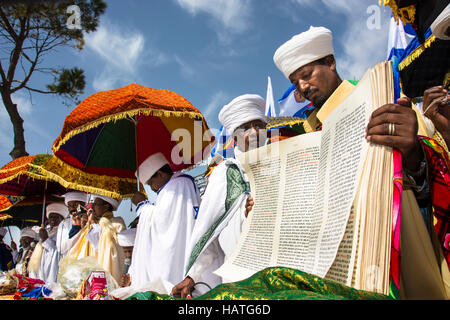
x,y
276,231
314,191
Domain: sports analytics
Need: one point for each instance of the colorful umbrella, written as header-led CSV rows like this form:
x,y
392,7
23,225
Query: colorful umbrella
x,y
287,127
24,213
111,132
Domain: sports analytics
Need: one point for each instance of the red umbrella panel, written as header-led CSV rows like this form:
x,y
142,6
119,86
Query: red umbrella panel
x,y
111,132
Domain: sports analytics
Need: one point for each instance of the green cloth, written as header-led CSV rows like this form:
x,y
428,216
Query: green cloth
x,y
277,283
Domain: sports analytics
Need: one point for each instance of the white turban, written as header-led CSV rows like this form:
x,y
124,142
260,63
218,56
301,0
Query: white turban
x,y
75,196
241,110
3,232
59,208
126,237
29,232
113,202
149,167
303,48
441,24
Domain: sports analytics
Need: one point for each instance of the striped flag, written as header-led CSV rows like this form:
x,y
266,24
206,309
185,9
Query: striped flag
x,y
399,38
292,104
270,104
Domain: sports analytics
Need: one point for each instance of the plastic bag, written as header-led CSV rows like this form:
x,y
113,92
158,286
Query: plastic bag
x,y
73,272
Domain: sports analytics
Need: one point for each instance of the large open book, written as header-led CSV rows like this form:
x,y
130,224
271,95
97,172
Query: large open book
x,y
324,200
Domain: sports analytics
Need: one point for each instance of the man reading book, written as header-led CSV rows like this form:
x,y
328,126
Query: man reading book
x,y
307,60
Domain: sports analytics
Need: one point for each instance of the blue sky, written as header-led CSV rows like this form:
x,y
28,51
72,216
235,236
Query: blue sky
x,y
209,51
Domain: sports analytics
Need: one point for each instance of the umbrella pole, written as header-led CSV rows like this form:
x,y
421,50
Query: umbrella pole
x,y
136,147
43,205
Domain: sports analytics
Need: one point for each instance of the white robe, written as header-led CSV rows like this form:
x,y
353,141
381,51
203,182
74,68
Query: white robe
x,y
218,243
63,243
48,268
163,232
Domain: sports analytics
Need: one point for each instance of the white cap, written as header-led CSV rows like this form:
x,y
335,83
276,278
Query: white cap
x,y
30,232
75,196
441,24
59,208
126,237
150,166
241,110
302,49
113,202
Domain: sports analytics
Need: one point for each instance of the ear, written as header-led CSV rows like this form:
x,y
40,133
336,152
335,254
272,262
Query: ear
x,y
331,62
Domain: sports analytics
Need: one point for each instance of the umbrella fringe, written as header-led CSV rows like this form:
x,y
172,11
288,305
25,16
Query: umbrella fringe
x,y
102,181
119,116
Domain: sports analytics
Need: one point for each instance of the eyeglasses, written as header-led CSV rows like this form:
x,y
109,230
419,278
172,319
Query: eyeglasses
x,y
245,128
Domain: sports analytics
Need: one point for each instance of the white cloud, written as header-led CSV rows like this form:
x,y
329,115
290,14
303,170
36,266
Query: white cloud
x,y
117,46
218,100
233,15
25,108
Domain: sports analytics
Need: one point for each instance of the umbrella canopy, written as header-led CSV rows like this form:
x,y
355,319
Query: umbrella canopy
x,y
24,213
287,127
101,134
22,178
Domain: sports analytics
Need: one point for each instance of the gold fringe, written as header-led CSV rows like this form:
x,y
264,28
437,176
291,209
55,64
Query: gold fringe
x,y
416,53
5,216
119,116
73,178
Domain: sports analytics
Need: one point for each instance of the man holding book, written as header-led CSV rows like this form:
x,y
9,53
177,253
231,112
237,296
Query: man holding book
x,y
307,60
226,202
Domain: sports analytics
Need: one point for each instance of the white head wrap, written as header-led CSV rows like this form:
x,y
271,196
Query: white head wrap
x,y
126,237
113,202
441,24
302,49
152,164
241,110
30,232
75,196
3,232
59,208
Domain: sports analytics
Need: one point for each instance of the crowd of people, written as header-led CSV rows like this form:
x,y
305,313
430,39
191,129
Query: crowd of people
x,y
183,237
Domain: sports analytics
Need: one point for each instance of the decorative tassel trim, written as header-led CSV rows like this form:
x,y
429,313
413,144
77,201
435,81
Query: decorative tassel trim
x,y
416,53
119,116
73,178
4,216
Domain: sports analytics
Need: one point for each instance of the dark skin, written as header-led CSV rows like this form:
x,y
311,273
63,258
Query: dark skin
x,y
155,183
125,279
246,138
437,109
317,81
77,220
54,219
99,208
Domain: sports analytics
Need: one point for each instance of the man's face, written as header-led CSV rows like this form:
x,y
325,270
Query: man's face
x,y
316,81
157,180
25,242
54,219
128,251
250,135
100,207
73,205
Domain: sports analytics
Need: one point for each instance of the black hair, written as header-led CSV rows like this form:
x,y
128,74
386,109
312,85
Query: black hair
x,y
166,169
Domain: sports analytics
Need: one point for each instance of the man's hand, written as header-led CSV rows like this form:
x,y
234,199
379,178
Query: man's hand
x,y
125,280
43,234
13,246
437,109
405,136
90,217
249,205
138,197
184,288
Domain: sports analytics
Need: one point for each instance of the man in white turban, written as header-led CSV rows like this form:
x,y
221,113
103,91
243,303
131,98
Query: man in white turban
x,y
98,238
165,227
222,212
29,236
45,258
307,61
126,241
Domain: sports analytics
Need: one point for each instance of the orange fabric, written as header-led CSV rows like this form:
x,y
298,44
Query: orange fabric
x,y
15,166
131,97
